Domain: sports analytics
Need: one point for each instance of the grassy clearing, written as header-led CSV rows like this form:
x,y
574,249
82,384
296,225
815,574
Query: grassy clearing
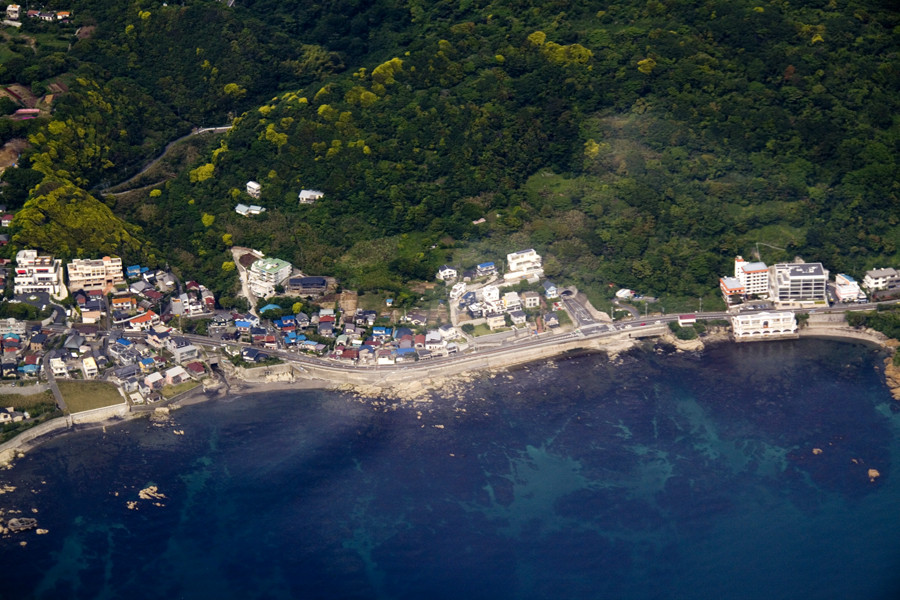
x,y
41,406
87,395
170,391
29,402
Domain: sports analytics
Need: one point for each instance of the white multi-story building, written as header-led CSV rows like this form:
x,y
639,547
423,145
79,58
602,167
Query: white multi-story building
x,y
457,290
310,196
847,290
254,189
95,274
12,11
754,276
490,293
731,287
524,261
265,274
763,325
798,283
511,301
447,273
881,279
36,273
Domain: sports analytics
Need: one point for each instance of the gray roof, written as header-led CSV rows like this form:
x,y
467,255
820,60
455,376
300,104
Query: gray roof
x,y
878,273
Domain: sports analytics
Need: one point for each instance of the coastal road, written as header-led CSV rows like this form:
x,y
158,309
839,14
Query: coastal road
x,y
51,381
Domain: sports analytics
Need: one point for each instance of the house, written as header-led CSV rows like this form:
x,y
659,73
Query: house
x,y
265,274
147,365
416,318
458,290
255,209
155,381
881,279
754,276
195,368
307,286
12,11
242,209
254,189
511,302
182,349
448,332
89,367
531,299
550,291
310,196
63,15
446,273
124,303
144,321
58,367
686,320
490,293
485,269
11,415
35,273
551,319
496,321
37,342
798,283
133,271
475,310
6,220
95,274
4,239
518,317
176,375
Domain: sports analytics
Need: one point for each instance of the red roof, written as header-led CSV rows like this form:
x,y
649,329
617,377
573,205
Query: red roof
x,y
195,367
31,359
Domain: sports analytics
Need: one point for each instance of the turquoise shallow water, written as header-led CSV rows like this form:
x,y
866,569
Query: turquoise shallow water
x,y
663,476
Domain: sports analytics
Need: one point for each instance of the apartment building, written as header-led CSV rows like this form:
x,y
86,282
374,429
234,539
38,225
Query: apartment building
x,y
881,279
764,325
95,274
754,276
35,273
265,274
798,283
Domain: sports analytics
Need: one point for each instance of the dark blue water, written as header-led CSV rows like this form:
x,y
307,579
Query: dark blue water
x,y
665,476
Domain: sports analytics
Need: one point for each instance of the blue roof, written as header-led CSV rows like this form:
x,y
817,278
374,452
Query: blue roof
x,y
144,269
485,265
147,361
242,324
847,277
124,342
269,307
29,368
301,337
406,351
133,269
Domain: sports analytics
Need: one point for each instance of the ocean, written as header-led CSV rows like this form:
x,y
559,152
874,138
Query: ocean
x,y
739,472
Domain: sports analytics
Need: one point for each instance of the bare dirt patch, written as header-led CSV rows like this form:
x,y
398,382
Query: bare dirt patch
x,y
10,151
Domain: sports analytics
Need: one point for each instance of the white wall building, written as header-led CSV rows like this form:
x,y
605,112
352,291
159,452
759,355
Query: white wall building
x,y
754,276
95,274
490,293
36,273
89,367
254,189
800,283
265,274
457,290
881,279
847,290
447,273
310,196
523,260
511,301
763,325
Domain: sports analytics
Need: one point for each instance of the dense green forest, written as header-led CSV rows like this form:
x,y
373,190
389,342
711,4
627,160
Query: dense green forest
x,y
641,144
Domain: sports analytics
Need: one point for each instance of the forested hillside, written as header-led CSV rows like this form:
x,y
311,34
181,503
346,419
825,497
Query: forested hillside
x,y
636,143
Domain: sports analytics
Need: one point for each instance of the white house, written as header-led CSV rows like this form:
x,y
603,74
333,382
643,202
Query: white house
x,y
457,290
490,293
58,367
531,299
254,189
550,291
447,273
881,279
89,367
242,209
12,12
310,196
511,302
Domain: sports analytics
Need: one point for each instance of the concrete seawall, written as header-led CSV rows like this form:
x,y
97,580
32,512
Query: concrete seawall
x,y
845,332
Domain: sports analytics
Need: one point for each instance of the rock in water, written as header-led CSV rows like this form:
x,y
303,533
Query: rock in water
x,y
21,524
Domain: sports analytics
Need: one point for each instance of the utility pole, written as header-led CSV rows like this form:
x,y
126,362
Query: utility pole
x,y
701,304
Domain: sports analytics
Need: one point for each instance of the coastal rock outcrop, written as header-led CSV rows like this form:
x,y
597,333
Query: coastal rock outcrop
x,y
20,524
892,377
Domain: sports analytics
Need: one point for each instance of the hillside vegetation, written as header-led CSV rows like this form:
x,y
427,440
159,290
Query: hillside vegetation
x,y
640,144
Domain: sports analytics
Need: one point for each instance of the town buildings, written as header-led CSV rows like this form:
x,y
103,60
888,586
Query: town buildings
x,y
265,274
36,273
798,283
523,264
95,274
